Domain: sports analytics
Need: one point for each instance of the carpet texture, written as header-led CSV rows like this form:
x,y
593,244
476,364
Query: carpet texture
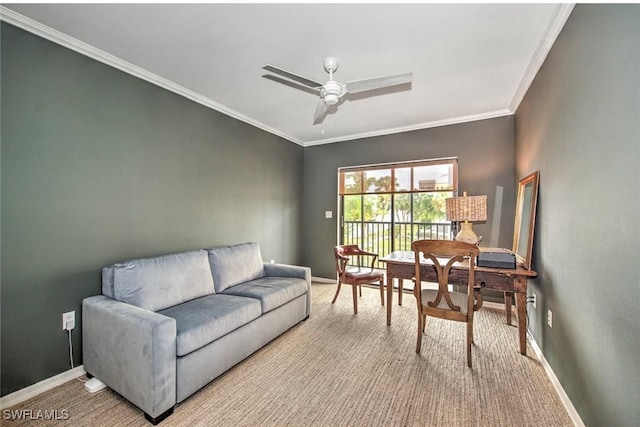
x,y
341,369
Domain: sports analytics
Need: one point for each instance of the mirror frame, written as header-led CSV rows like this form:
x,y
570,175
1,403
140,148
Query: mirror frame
x,y
525,215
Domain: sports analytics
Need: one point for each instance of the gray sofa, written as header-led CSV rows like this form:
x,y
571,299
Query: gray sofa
x,y
166,326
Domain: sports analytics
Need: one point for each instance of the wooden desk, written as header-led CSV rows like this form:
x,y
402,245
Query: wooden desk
x,y
400,265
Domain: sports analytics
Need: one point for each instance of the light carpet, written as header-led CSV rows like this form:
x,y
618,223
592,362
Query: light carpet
x,y
341,369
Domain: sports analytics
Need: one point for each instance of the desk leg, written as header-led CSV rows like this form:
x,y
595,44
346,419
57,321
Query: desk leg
x,y
400,290
521,306
507,305
389,297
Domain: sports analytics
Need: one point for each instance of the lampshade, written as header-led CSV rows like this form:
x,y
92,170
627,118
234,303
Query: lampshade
x,y
466,209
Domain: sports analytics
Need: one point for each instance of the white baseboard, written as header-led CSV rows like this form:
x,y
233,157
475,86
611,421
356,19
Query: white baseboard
x,y
493,305
40,387
323,280
566,402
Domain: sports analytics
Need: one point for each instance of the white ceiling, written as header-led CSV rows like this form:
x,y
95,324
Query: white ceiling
x,y
469,61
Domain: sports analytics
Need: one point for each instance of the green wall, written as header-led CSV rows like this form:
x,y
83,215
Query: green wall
x,y
485,154
579,124
99,166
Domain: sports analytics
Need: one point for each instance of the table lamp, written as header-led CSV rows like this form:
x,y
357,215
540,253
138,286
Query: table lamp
x,y
467,209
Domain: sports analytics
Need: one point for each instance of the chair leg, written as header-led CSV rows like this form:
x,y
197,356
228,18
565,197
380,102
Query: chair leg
x,y
382,292
360,288
355,298
469,341
420,331
335,297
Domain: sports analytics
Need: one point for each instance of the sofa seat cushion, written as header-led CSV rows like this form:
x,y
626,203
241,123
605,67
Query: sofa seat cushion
x,y
203,320
272,292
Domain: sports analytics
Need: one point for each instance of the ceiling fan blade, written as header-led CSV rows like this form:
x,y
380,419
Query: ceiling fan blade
x,y
321,111
291,76
356,86
291,83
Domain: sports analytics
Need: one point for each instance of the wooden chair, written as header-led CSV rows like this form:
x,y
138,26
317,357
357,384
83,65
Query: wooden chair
x,y
442,303
357,274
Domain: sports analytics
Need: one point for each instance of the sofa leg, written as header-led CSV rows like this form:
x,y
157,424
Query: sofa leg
x,y
163,416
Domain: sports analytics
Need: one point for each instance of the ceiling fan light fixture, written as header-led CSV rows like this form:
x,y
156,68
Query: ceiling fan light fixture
x,y
331,99
331,92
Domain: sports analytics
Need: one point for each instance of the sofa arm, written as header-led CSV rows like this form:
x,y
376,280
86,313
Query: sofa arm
x,y
285,270
131,350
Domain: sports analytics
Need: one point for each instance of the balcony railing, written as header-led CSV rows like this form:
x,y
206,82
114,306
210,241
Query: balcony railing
x,y
378,237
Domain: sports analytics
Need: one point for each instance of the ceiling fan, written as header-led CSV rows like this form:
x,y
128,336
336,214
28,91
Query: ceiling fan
x,y
332,92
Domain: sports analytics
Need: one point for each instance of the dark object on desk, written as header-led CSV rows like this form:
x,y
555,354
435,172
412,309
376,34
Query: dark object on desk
x,y
496,258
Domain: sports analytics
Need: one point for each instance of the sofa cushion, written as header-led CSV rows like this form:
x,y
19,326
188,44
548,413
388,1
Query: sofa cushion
x,y
203,320
164,281
272,292
235,264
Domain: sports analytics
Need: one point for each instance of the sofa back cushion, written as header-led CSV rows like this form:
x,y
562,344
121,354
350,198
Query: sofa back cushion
x,y
160,282
231,265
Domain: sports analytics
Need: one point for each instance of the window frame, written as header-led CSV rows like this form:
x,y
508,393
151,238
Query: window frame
x,y
393,166
414,189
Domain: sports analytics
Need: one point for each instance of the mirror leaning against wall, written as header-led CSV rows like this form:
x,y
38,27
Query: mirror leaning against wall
x,y
525,219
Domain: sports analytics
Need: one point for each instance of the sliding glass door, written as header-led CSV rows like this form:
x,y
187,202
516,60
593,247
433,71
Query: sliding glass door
x,y
385,207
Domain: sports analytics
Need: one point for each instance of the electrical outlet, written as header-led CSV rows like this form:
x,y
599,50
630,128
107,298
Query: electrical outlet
x,y
68,320
534,299
550,318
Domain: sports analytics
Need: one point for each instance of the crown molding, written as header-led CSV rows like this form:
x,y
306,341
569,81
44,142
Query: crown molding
x,y
48,33
556,22
419,126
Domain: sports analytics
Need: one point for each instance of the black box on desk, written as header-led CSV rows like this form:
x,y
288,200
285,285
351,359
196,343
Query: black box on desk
x,y
496,258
